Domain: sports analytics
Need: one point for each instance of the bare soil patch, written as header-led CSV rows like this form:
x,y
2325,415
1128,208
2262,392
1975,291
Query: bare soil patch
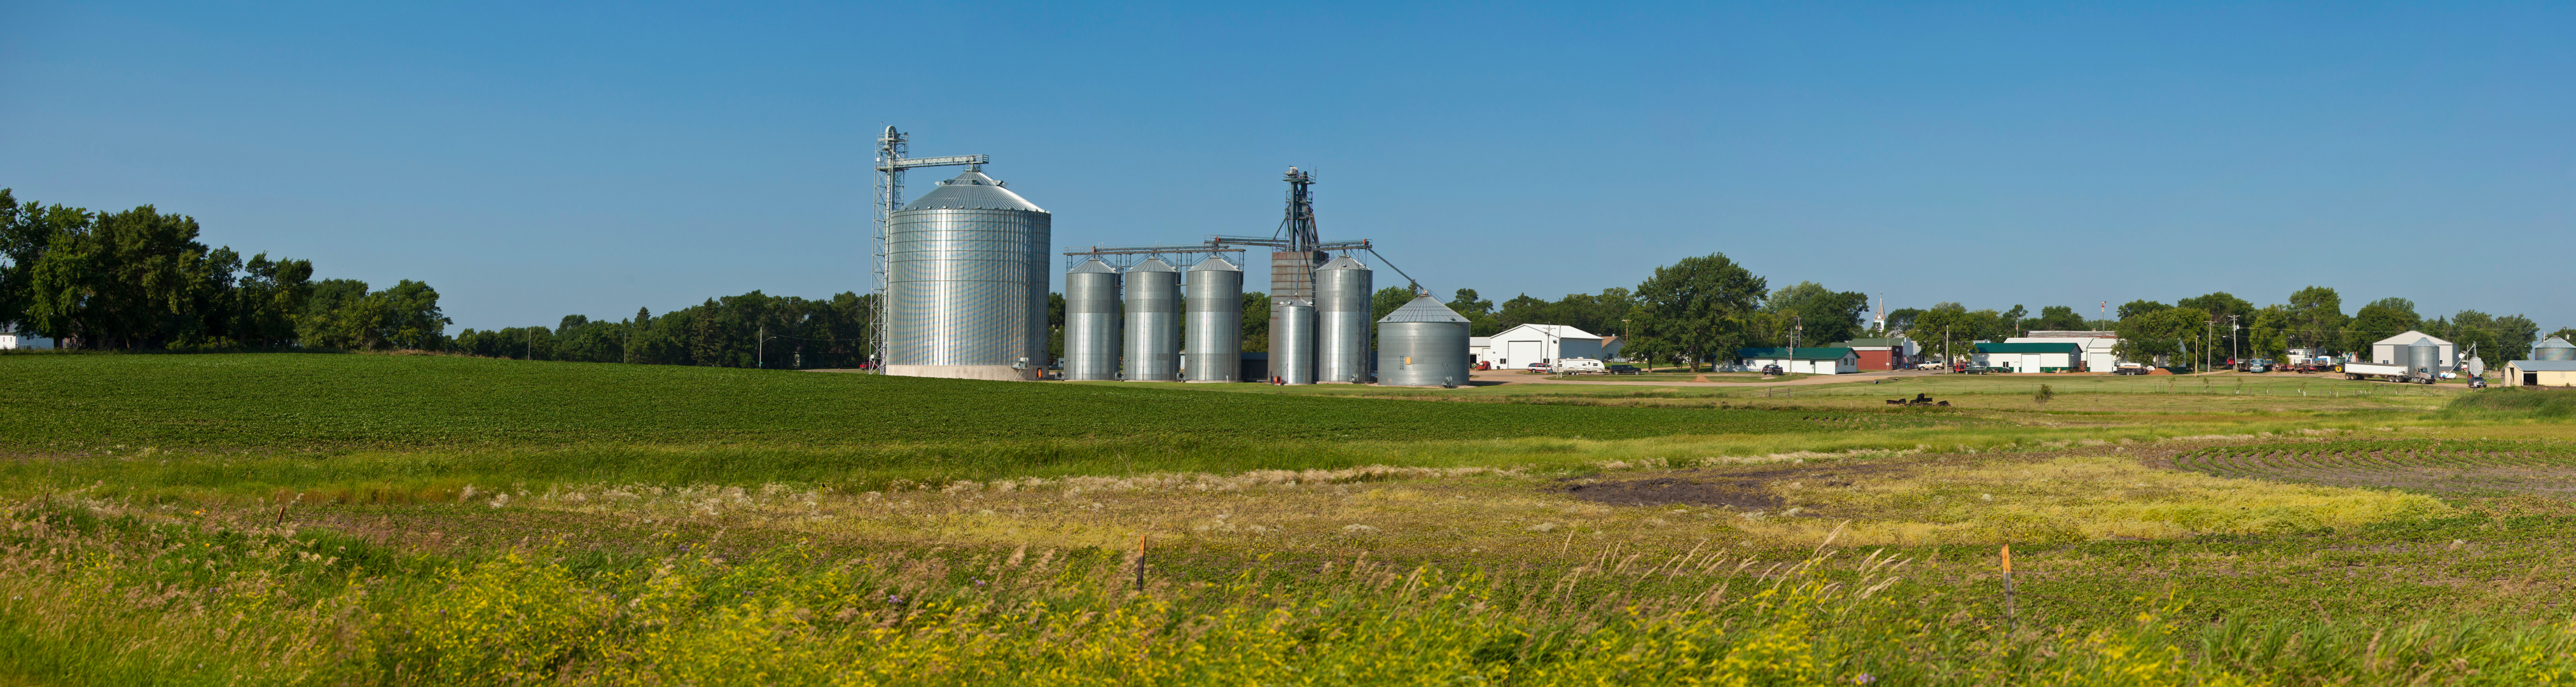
x,y
1754,488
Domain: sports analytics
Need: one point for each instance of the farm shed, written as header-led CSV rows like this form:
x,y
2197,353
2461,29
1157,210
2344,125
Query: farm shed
x,y
1892,353
2392,350
1829,360
2097,345
2540,373
1517,347
2060,356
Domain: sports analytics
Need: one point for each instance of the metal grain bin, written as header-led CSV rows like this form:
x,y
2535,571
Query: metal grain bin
x,y
1292,345
2553,348
1091,322
1423,343
1342,291
1214,296
966,278
2423,356
1153,322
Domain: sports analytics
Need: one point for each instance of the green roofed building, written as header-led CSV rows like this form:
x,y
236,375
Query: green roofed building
x,y
1821,360
2031,357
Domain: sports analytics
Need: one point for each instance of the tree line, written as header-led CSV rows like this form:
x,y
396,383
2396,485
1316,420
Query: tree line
x,y
140,280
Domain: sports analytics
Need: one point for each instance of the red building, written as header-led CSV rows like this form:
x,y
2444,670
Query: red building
x,y
1884,354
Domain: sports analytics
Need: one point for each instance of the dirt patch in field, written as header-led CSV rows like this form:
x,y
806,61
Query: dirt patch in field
x,y
1739,488
2533,471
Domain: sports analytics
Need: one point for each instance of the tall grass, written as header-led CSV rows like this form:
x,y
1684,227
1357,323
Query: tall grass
x,y
2518,402
101,594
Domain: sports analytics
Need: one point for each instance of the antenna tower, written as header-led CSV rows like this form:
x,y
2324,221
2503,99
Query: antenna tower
x,y
891,147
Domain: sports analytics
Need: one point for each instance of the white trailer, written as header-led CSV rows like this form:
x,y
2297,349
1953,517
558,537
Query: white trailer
x,y
2385,372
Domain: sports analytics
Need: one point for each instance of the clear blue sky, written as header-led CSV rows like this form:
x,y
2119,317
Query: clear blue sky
x,y
533,161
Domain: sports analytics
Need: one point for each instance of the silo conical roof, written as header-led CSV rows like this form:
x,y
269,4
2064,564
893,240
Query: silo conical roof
x,y
2422,342
1343,263
972,191
2555,342
1094,266
1424,308
1152,265
1215,264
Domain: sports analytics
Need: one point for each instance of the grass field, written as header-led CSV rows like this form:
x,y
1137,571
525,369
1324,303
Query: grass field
x,y
359,519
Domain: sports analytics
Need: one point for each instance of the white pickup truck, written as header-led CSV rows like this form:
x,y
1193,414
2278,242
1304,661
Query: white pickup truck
x,y
2385,371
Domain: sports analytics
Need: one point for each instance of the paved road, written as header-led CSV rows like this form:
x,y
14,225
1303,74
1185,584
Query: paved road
x,y
1510,377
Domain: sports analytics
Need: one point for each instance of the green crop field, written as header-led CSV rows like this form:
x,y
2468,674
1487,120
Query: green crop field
x,y
372,519
327,401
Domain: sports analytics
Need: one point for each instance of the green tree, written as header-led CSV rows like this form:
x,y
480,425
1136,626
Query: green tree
x,y
2222,306
134,279
1256,322
1902,319
2269,334
2140,307
1055,327
2058,318
2169,336
2316,319
2380,319
1699,305
1827,316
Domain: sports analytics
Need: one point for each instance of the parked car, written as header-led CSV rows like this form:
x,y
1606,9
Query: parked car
x,y
1540,368
1625,370
1773,370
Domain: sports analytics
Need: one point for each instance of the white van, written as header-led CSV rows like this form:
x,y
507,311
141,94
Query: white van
x,y
1579,366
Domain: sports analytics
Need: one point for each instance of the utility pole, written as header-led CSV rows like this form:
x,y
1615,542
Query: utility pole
x,y
760,348
1797,329
532,343
2233,351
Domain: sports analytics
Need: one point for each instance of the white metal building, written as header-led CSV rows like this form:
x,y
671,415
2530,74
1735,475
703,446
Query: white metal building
x,y
2061,355
2097,346
1814,360
1517,347
2392,350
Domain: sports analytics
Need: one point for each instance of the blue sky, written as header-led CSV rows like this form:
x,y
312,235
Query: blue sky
x,y
536,160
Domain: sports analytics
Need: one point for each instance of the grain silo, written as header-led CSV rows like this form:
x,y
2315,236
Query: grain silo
x,y
1341,333
1423,343
1214,296
966,277
2423,356
1153,322
1292,344
2553,348
1091,321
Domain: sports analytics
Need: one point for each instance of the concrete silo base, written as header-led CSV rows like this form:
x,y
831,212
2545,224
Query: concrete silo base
x,y
999,373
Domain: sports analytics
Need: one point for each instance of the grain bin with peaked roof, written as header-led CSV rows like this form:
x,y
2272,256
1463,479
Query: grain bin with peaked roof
x,y
1341,341
1091,321
1153,322
1214,296
1423,343
1292,345
2553,348
966,283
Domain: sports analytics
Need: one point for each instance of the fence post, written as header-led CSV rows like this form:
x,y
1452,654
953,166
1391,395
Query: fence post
x,y
2010,615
